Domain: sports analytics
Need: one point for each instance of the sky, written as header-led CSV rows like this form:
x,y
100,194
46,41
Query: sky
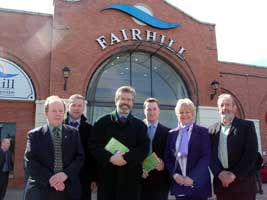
x,y
241,28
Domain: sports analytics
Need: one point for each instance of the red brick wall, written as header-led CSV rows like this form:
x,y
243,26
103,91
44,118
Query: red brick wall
x,y
26,40
77,25
21,113
248,84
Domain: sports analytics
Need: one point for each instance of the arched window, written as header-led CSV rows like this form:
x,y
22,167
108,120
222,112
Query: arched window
x,y
148,74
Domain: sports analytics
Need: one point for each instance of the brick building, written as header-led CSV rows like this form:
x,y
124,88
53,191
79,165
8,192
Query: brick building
x,y
101,50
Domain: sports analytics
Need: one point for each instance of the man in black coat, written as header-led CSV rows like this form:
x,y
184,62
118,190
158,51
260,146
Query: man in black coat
x,y
75,118
120,174
234,153
156,183
5,166
53,157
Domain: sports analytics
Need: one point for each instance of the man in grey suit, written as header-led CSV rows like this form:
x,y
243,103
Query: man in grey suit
x,y
234,153
53,157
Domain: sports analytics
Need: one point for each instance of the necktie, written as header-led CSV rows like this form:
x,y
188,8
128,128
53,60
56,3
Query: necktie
x,y
74,124
150,132
58,166
123,120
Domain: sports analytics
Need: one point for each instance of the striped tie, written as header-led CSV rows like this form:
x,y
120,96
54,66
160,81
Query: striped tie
x,y
57,151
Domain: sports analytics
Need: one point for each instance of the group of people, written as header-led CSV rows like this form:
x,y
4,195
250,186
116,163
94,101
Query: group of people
x,y
67,159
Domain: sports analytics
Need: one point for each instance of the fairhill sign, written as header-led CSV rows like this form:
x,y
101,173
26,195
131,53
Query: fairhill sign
x,y
135,34
142,15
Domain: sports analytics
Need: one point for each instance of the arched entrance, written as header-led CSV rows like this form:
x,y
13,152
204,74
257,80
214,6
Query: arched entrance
x,y
150,75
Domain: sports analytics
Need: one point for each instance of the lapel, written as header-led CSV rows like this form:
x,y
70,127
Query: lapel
x,y
216,134
65,138
47,140
233,127
156,137
192,138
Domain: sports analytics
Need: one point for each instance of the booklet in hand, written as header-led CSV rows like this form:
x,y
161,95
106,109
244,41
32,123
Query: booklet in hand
x,y
113,146
151,162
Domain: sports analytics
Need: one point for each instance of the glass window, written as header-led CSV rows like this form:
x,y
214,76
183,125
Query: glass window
x,y
149,75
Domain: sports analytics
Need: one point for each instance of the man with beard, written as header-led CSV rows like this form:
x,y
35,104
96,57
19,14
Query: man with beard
x,y
234,153
76,119
120,174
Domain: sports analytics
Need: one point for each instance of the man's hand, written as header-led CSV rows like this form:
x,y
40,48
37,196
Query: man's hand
x,y
188,182
93,186
117,159
145,174
59,186
179,179
57,178
160,166
226,177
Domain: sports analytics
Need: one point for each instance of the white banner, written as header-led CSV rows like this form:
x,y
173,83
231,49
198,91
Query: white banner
x,y
14,82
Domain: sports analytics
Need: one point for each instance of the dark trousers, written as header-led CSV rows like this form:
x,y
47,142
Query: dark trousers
x,y
189,198
154,193
236,195
86,191
3,184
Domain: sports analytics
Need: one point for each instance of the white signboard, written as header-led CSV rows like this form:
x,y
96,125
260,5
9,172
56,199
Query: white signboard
x,y
14,82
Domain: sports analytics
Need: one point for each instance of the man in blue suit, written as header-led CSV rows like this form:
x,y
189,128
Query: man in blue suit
x,y
155,184
53,157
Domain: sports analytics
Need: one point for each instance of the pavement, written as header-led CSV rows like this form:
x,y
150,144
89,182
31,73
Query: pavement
x,y
16,194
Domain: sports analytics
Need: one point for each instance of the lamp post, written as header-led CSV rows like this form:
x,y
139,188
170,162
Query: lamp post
x,y
66,74
215,85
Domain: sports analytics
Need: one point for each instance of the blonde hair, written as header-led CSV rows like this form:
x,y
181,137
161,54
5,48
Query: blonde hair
x,y
185,104
52,99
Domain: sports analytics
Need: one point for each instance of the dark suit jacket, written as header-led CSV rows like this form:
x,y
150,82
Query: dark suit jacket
x,y
124,182
158,179
198,160
88,171
39,161
242,155
2,160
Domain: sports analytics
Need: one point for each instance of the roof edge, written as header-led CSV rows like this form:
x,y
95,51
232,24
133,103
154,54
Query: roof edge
x,y
10,10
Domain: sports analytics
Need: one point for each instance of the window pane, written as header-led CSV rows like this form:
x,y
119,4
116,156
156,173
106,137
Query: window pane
x,y
115,74
168,87
141,78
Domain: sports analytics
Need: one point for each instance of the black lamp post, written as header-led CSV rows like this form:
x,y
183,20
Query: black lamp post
x,y
215,85
66,74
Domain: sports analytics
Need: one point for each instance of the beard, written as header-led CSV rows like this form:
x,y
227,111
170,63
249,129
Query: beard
x,y
124,108
227,116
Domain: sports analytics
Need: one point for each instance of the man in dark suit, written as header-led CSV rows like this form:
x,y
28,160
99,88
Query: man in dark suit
x,y
120,174
5,166
75,118
53,157
155,184
234,153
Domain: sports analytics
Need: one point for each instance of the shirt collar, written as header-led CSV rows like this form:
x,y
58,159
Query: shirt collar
x,y
73,120
120,115
153,124
51,127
